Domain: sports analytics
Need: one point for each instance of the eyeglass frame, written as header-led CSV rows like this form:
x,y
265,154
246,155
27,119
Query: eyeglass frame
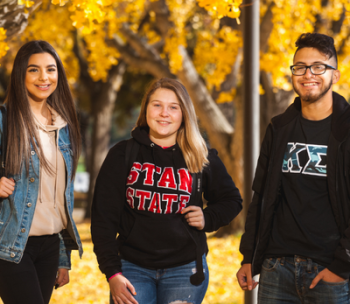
x,y
309,67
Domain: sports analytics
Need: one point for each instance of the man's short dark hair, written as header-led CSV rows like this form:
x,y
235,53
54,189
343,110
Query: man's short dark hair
x,y
322,43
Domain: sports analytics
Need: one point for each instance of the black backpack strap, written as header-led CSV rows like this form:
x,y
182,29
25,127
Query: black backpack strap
x,y
3,140
131,152
198,190
196,200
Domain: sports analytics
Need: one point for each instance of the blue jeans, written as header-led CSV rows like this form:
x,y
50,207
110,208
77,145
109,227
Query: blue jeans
x,y
164,286
287,280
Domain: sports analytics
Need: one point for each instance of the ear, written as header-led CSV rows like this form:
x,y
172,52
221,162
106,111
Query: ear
x,y
336,76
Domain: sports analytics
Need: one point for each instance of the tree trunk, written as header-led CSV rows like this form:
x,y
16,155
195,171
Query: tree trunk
x,y
84,119
213,121
103,107
237,225
14,17
228,141
273,102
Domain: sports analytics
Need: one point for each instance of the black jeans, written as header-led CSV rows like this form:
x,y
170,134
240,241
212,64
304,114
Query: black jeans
x,y
32,280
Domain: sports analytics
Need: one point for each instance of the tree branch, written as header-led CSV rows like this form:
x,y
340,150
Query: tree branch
x,y
84,75
13,17
156,67
231,79
337,24
266,27
162,16
142,48
200,95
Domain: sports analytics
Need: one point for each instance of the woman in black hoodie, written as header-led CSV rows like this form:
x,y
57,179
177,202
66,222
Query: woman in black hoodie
x,y
154,204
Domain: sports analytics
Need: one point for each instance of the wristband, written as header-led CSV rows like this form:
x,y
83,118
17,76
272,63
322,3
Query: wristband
x,y
114,275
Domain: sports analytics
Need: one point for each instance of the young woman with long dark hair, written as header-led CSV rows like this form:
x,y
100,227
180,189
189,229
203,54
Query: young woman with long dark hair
x,y
155,204
37,231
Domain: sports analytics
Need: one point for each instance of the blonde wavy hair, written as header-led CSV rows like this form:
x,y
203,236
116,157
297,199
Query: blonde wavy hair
x,y
189,138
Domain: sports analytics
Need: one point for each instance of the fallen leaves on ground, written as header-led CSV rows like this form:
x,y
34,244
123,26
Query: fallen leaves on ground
x,y
224,261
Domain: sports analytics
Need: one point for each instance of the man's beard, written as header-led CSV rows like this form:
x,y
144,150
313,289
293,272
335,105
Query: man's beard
x,y
313,98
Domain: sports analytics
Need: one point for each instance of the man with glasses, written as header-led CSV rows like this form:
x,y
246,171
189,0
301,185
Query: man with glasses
x,y
297,233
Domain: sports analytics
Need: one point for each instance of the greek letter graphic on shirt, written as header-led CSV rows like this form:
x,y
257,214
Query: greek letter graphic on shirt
x,y
316,159
150,177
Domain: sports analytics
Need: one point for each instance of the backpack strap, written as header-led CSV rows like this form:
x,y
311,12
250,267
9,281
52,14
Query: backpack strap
x,y
131,152
3,143
197,177
196,200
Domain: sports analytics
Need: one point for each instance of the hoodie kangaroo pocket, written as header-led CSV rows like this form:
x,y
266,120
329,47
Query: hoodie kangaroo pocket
x,y
158,240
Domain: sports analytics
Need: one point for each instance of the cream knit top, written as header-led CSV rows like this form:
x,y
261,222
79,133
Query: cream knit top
x,y
50,214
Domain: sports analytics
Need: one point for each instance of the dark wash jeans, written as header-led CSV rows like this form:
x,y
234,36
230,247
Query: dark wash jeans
x,y
287,280
32,280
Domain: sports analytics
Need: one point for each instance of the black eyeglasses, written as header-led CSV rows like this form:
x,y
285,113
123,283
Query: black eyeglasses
x,y
316,69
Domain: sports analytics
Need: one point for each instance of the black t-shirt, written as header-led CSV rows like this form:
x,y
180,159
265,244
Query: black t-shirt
x,y
304,222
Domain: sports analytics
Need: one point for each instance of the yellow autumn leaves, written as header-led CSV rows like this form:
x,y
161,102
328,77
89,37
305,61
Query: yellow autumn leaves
x,y
88,285
93,17
3,45
224,260
27,3
215,55
222,8
215,45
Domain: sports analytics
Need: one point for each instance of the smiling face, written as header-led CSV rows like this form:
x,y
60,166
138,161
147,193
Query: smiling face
x,y
312,88
41,77
164,117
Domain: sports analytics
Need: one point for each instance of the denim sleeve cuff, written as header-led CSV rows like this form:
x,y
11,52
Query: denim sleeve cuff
x,y
63,267
64,259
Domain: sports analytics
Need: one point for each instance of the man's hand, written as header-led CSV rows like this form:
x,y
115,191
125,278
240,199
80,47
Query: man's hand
x,y
62,277
244,276
327,276
194,216
122,290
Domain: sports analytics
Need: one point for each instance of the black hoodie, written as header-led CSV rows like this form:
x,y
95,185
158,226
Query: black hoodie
x,y
143,205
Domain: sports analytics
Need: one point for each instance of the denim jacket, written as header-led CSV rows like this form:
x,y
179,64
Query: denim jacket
x,y
17,211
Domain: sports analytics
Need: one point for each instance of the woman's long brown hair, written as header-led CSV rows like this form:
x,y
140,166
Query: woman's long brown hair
x,y
20,121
